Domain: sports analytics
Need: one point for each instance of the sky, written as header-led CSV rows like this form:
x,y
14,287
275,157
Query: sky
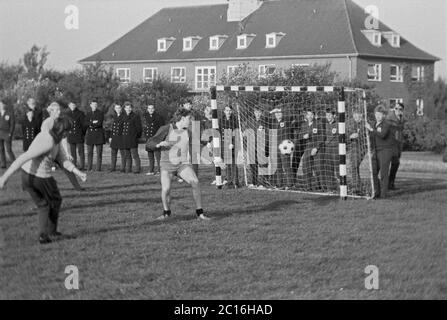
x,y
42,22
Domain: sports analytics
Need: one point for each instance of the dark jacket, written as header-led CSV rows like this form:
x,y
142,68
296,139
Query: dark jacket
x,y
132,130
30,129
331,135
95,131
151,124
37,115
116,134
382,136
283,129
7,125
398,128
316,135
77,132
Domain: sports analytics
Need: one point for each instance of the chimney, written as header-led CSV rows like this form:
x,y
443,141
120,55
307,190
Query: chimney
x,y
238,10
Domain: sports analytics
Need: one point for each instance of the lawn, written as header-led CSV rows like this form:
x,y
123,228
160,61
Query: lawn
x,y
259,245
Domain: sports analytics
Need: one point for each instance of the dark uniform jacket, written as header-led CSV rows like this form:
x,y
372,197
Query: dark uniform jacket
x,y
30,129
316,135
382,136
331,134
76,133
284,129
151,124
95,130
37,115
398,128
7,125
117,131
132,130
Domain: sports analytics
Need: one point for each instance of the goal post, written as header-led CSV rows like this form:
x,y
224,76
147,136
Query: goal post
x,y
307,139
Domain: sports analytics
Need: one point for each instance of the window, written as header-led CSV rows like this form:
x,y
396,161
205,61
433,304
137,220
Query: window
x,y
270,40
161,45
266,70
395,101
417,73
231,69
420,107
395,41
178,74
123,74
214,43
149,74
374,72
396,73
205,77
187,44
241,42
377,39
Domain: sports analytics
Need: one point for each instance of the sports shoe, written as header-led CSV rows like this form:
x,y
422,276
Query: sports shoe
x,y
203,217
214,183
180,180
44,239
150,174
162,217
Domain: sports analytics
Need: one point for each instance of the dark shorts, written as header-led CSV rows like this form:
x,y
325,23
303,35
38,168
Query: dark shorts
x,y
43,191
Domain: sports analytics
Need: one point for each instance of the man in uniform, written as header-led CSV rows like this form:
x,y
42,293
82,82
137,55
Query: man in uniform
x,y
75,136
356,149
7,126
132,131
331,157
30,128
283,127
152,122
396,120
313,135
94,135
382,134
228,126
116,139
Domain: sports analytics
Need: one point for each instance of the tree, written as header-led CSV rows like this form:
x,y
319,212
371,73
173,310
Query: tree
x,y
34,62
9,75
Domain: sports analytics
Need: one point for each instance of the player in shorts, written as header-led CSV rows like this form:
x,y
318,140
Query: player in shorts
x,y
173,141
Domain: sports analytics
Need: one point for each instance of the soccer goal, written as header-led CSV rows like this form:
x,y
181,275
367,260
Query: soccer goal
x,y
308,139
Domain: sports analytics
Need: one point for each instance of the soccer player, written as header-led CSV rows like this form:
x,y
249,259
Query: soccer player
x,y
116,139
54,111
396,119
331,157
313,135
173,142
132,131
384,147
94,135
75,136
152,122
37,179
7,126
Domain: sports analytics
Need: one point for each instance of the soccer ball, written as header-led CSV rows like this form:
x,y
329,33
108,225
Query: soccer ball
x,y
286,147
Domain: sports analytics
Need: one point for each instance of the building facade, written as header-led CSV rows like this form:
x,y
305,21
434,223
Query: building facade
x,y
197,45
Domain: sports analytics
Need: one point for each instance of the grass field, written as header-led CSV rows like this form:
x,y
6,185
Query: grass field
x,y
259,245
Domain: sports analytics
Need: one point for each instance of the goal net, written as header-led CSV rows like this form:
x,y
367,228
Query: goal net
x,y
302,139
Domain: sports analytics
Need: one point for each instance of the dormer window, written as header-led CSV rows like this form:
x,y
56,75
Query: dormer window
x,y
272,39
163,44
190,42
244,40
393,38
217,41
374,36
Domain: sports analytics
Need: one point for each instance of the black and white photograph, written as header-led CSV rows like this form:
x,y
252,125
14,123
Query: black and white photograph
x,y
223,155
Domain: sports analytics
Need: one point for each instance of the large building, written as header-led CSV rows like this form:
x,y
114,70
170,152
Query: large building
x,y
196,44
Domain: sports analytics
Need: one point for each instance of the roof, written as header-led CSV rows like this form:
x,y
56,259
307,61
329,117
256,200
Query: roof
x,y
312,28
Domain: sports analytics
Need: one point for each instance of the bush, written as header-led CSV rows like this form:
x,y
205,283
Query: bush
x,y
424,134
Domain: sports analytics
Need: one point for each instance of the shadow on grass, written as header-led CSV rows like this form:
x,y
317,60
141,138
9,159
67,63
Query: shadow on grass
x,y
415,186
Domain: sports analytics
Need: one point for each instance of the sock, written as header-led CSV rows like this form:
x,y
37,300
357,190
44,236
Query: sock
x,y
199,212
167,212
